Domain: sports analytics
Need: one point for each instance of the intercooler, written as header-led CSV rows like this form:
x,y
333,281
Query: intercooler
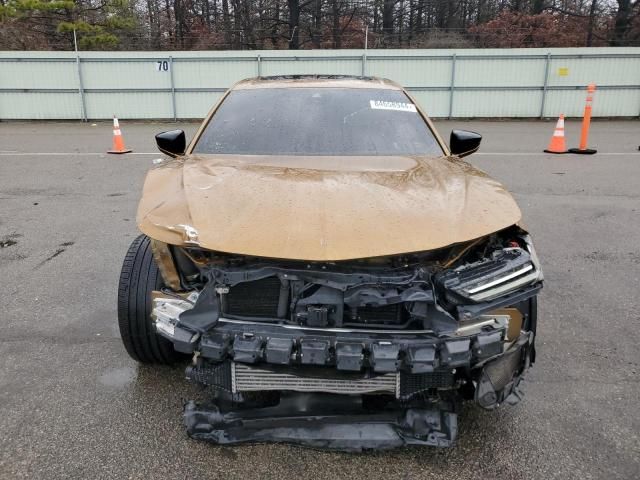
x,y
251,379
237,378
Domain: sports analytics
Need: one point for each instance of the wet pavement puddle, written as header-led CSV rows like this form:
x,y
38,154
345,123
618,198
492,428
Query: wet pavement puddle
x,y
118,377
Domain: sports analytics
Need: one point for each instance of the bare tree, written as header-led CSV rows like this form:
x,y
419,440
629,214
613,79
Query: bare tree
x,y
298,24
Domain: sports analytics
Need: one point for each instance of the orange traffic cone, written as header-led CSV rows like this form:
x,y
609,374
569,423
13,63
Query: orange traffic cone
x,y
118,142
586,122
557,143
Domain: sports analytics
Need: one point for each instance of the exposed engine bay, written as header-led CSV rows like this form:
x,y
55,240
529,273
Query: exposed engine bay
x,y
371,353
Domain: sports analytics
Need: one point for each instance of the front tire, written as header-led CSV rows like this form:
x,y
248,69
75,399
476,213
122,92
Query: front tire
x,y
138,278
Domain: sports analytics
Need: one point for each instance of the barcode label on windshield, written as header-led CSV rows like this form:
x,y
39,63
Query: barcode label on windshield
x,y
399,106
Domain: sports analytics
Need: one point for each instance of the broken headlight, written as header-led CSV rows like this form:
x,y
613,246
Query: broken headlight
x,y
505,271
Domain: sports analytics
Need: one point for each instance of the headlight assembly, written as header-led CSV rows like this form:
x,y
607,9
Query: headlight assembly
x,y
504,271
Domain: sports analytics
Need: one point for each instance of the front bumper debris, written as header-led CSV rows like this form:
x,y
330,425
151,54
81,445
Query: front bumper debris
x,y
349,386
499,380
343,349
343,422
334,422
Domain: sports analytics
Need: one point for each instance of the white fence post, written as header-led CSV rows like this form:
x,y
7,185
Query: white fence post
x,y
173,89
452,86
83,107
546,83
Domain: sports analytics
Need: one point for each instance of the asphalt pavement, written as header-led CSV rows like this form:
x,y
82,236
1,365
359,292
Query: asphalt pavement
x,y
74,405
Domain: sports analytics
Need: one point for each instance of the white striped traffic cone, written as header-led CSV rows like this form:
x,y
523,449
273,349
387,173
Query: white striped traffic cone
x,y
118,141
557,143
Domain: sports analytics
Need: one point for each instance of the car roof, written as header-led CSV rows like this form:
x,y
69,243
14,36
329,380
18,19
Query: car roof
x,y
316,81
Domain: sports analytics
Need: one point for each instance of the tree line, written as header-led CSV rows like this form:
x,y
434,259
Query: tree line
x,y
312,24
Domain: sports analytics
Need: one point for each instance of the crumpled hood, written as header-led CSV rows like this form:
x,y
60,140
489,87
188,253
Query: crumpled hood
x,y
321,208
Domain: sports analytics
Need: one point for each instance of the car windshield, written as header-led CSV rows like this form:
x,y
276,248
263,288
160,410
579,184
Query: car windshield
x,y
317,121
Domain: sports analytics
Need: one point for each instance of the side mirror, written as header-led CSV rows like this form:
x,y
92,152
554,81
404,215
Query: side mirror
x,y
464,142
173,142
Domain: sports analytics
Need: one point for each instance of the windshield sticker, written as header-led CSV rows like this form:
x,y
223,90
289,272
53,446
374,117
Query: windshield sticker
x,y
399,106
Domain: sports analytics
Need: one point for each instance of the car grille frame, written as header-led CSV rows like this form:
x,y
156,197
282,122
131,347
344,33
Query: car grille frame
x,y
258,299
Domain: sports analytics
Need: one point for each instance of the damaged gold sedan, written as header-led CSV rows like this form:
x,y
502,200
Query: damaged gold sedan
x,y
336,274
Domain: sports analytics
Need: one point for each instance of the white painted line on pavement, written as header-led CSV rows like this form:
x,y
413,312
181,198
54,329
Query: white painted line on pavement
x,y
60,154
542,154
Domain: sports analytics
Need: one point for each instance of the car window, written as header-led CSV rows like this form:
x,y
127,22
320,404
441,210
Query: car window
x,y
317,121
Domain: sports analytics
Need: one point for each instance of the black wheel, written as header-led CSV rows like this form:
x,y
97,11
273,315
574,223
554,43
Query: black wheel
x,y
138,278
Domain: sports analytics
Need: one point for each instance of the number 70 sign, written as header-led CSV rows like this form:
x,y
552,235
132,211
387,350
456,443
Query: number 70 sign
x,y
162,66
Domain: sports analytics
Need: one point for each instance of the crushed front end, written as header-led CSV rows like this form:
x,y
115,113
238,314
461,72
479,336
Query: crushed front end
x,y
350,355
